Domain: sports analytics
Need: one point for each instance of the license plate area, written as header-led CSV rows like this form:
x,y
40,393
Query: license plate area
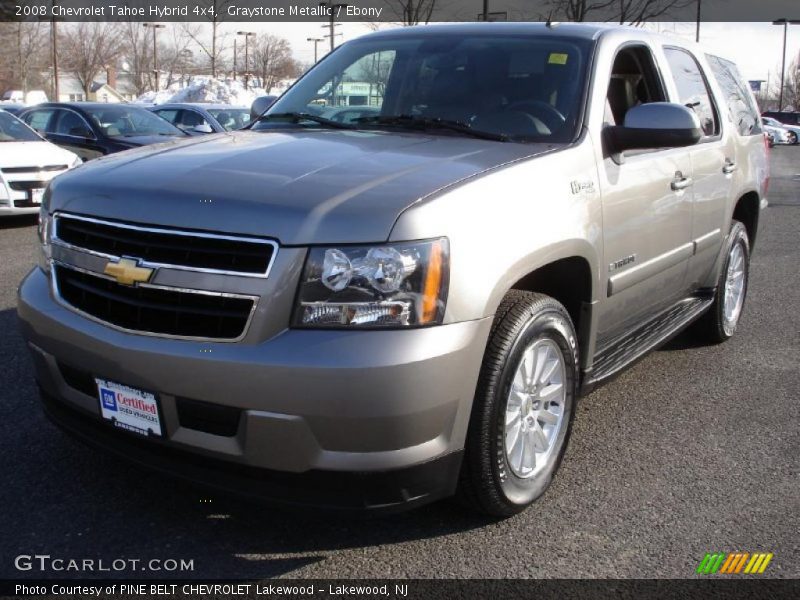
x,y
36,195
131,409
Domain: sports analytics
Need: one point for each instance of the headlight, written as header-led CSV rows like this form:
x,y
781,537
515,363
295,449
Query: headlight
x,y
45,231
389,285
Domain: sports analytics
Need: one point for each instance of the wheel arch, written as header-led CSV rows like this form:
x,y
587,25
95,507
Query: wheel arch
x,y
747,211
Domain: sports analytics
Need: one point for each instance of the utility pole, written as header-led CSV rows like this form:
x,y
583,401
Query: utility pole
x,y
54,33
234,59
316,41
247,35
333,10
697,33
154,27
485,10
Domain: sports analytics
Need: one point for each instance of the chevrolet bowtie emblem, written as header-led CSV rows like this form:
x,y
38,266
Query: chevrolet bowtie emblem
x,y
127,271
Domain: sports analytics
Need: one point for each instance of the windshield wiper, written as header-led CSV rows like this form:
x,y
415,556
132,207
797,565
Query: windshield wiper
x,y
417,122
296,117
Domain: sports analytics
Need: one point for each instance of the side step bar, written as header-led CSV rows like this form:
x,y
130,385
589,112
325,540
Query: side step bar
x,y
628,348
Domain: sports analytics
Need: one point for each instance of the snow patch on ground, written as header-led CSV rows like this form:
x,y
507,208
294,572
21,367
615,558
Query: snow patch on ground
x,y
207,90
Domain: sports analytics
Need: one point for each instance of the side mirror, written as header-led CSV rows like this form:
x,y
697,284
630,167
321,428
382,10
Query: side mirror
x,y
655,125
81,132
203,128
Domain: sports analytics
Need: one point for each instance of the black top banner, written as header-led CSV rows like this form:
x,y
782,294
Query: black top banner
x,y
402,11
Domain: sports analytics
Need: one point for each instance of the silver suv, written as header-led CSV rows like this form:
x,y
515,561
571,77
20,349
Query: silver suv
x,y
379,312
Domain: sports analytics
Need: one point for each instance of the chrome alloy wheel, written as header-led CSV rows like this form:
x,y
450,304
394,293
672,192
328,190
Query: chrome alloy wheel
x,y
734,288
535,408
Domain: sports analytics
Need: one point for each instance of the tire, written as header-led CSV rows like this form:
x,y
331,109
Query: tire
x,y
719,323
497,475
793,139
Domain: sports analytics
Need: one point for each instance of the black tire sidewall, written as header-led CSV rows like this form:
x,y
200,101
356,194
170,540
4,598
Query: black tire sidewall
x,y
548,324
738,236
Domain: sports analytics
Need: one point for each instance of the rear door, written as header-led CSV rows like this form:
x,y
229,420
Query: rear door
x,y
713,161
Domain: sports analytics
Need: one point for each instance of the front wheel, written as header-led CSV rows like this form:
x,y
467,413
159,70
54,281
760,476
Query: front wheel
x,y
523,405
720,322
793,139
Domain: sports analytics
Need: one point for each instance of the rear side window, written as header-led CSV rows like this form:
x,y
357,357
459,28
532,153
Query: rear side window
x,y
692,88
741,104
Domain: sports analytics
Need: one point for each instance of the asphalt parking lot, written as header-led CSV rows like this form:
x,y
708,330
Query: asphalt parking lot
x,y
694,450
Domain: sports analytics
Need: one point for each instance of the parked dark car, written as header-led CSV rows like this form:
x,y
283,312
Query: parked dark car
x,y
94,129
12,108
789,118
200,119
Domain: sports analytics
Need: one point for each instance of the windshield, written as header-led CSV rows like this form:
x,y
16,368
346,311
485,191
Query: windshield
x,y
129,121
14,130
231,118
522,87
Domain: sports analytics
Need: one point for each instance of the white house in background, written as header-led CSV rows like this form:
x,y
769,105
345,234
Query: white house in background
x,y
108,87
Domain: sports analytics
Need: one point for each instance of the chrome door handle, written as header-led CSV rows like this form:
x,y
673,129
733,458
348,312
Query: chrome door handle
x,y
729,167
680,182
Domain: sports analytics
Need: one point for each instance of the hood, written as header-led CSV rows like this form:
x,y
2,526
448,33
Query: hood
x,y
146,140
300,187
34,154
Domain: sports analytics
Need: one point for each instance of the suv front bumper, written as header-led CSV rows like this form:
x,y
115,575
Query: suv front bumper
x,y
391,407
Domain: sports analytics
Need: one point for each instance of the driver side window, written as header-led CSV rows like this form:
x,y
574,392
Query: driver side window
x,y
634,81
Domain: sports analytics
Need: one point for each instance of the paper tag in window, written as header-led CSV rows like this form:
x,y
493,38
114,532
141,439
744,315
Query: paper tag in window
x,y
557,59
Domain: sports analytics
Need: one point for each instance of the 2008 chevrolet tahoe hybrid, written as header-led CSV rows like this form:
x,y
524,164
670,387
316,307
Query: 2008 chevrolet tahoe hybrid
x,y
377,312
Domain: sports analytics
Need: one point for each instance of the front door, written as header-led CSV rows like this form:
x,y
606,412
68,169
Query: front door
x,y
647,209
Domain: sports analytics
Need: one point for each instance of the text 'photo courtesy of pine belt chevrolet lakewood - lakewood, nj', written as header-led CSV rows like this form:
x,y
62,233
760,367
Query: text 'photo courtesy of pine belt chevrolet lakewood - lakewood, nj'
x,y
376,312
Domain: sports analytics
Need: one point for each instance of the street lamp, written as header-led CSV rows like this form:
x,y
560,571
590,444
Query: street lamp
x,y
316,41
247,35
154,27
333,9
785,23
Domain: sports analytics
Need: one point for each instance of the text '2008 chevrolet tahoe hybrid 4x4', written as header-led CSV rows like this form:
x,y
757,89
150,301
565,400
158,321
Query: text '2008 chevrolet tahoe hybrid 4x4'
x,y
383,310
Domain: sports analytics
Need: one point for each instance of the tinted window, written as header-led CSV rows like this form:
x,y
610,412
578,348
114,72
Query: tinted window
x,y
39,119
692,88
527,88
231,118
127,121
14,130
70,123
741,104
169,114
190,119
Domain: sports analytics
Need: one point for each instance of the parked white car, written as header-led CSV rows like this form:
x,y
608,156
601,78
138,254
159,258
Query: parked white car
x,y
776,133
27,164
792,131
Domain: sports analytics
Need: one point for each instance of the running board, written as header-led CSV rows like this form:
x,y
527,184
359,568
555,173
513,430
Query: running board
x,y
626,349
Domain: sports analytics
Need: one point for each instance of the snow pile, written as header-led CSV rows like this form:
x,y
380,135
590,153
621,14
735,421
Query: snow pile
x,y
205,89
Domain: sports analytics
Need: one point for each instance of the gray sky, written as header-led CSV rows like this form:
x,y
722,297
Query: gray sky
x,y
755,47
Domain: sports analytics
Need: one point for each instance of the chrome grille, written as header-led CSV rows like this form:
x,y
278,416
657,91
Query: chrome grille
x,y
155,247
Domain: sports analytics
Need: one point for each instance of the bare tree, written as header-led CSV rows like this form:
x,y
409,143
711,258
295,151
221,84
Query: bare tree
x,y
634,12
272,60
215,11
88,48
24,54
412,12
139,56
